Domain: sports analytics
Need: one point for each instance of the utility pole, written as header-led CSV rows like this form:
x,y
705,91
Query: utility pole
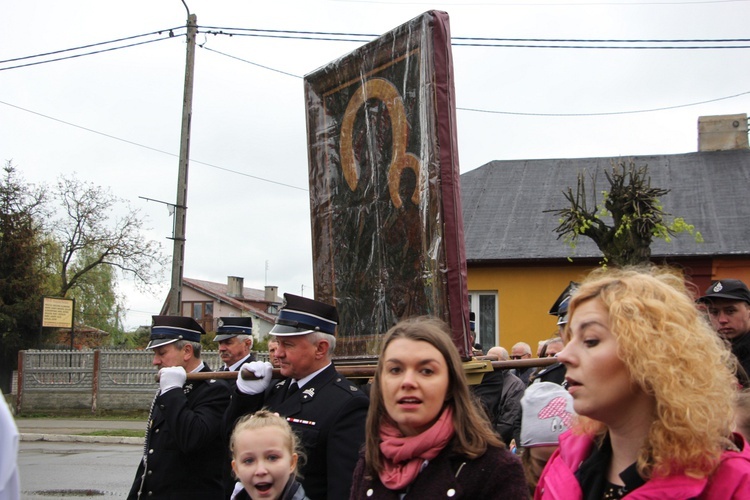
x,y
178,254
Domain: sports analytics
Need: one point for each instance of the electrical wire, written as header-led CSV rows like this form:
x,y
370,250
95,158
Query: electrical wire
x,y
249,62
151,148
497,42
170,30
85,54
612,113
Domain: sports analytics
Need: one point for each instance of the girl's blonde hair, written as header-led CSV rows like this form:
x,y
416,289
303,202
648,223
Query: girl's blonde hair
x,y
473,432
674,355
264,418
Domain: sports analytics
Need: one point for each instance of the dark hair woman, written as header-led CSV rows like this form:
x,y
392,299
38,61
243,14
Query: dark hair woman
x,y
426,436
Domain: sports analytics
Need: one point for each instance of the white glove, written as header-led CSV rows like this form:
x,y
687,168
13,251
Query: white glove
x,y
172,377
263,371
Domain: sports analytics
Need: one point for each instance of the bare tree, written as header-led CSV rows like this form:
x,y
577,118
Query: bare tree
x,y
633,207
96,229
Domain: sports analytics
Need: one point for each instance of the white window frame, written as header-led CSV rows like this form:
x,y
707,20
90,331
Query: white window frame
x,y
474,303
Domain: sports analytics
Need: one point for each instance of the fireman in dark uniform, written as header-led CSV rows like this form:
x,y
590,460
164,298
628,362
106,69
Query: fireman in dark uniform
x,y
326,410
184,450
235,338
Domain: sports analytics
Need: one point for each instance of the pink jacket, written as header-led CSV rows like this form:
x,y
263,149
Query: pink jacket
x,y
730,481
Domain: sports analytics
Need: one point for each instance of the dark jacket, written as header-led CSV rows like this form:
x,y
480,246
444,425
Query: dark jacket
x,y
328,414
228,479
184,446
552,373
496,474
741,350
500,393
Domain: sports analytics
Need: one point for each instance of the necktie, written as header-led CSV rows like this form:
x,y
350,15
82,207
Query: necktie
x,y
292,389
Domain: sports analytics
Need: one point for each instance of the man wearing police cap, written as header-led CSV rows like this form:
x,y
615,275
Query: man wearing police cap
x,y
184,450
728,304
326,410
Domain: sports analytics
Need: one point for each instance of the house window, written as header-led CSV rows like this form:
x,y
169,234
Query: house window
x,y
202,312
484,307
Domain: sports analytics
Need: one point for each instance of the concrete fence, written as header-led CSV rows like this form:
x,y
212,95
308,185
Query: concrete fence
x,y
99,380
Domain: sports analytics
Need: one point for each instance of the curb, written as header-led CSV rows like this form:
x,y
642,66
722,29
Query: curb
x,y
72,438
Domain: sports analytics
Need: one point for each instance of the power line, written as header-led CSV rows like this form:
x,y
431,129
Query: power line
x,y
603,47
549,4
537,43
170,30
666,108
528,43
85,54
249,62
244,174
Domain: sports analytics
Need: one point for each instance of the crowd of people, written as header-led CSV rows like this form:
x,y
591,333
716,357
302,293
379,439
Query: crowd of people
x,y
644,400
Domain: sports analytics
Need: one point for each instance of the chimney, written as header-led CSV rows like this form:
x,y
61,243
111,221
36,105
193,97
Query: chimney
x,y
272,294
722,133
235,286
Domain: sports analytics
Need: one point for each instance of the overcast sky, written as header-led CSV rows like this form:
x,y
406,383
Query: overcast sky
x,y
113,118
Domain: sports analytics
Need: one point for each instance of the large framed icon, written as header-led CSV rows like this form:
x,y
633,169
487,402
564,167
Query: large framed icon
x,y
385,203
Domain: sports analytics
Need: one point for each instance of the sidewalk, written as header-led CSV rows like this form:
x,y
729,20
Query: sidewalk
x,y
70,430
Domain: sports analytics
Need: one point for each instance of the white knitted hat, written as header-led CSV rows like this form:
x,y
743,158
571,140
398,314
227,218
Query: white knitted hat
x,y
547,413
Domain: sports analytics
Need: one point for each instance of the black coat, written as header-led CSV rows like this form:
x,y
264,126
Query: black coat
x,y
500,394
229,479
495,475
741,349
328,414
184,445
552,373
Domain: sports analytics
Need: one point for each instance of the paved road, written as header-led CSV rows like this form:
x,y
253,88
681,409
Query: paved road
x,y
76,470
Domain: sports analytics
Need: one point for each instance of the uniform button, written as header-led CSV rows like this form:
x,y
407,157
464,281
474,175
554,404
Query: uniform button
x,y
151,451
157,431
369,492
150,493
149,473
162,406
451,492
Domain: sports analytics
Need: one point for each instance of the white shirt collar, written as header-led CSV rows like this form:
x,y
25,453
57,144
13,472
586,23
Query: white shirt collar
x,y
303,381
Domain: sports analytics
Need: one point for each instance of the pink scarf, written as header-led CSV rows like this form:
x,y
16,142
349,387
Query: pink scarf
x,y
404,456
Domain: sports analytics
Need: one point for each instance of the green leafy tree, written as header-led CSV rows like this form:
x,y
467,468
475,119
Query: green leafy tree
x,y
624,224
25,271
97,302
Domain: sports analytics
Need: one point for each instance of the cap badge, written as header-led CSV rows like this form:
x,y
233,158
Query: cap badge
x,y
718,287
309,392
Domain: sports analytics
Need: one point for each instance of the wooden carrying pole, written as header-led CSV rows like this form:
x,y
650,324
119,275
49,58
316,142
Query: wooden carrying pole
x,y
473,367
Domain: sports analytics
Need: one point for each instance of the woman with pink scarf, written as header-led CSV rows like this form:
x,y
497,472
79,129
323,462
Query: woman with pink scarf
x,y
426,437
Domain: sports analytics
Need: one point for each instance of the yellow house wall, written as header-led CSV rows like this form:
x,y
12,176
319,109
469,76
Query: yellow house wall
x,y
525,294
738,269
524,297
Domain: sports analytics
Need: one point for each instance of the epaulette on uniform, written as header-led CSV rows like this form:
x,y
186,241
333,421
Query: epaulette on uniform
x,y
346,385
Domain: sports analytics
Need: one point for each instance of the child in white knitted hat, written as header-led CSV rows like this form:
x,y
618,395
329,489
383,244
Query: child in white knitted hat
x,y
547,413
